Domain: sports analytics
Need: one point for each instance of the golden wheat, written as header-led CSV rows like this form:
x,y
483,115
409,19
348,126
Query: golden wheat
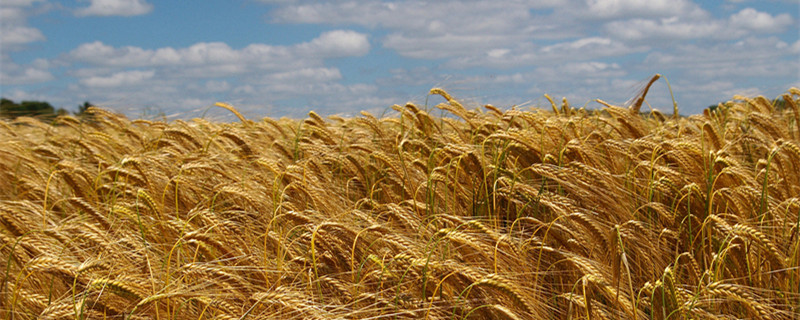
x,y
514,214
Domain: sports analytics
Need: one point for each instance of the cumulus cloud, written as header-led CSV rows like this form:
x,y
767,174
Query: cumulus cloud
x,y
219,58
20,3
743,23
305,75
217,86
593,68
115,8
763,57
123,78
337,43
557,78
506,33
273,74
12,74
663,29
12,16
611,9
509,35
752,48
443,46
394,14
17,35
13,25
99,53
417,78
763,22
704,74
439,29
487,51
529,54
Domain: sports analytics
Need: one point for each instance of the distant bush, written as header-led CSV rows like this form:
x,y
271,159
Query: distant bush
x,y
37,109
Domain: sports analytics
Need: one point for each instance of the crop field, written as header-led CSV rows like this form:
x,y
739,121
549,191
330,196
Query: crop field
x,y
435,212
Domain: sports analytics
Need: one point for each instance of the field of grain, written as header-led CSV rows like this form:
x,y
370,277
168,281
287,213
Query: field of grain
x,y
431,213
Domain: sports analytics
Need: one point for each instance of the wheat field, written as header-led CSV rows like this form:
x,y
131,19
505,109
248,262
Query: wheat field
x,y
431,213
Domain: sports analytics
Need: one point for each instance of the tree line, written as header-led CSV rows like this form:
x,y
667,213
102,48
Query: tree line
x,y
37,109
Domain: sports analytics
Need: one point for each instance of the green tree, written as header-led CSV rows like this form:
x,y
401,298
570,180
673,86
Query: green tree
x,y
38,109
82,109
6,106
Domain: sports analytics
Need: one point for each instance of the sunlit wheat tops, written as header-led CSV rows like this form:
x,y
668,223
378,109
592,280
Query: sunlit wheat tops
x,y
479,214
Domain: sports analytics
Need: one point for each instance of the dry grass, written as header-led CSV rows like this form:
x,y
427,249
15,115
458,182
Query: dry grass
x,y
503,215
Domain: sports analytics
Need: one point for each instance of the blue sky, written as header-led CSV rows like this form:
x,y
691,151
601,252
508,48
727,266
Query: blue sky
x,y
287,57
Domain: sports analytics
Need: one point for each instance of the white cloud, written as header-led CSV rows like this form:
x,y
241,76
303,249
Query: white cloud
x,y
115,8
518,78
305,75
684,27
19,3
438,29
706,74
12,73
442,46
123,78
585,43
217,86
751,56
262,73
509,33
338,43
664,29
752,19
11,16
16,34
397,14
482,51
528,54
592,68
102,54
21,35
245,89
13,25
271,72
609,9
218,58
498,53
24,75
400,78
562,79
